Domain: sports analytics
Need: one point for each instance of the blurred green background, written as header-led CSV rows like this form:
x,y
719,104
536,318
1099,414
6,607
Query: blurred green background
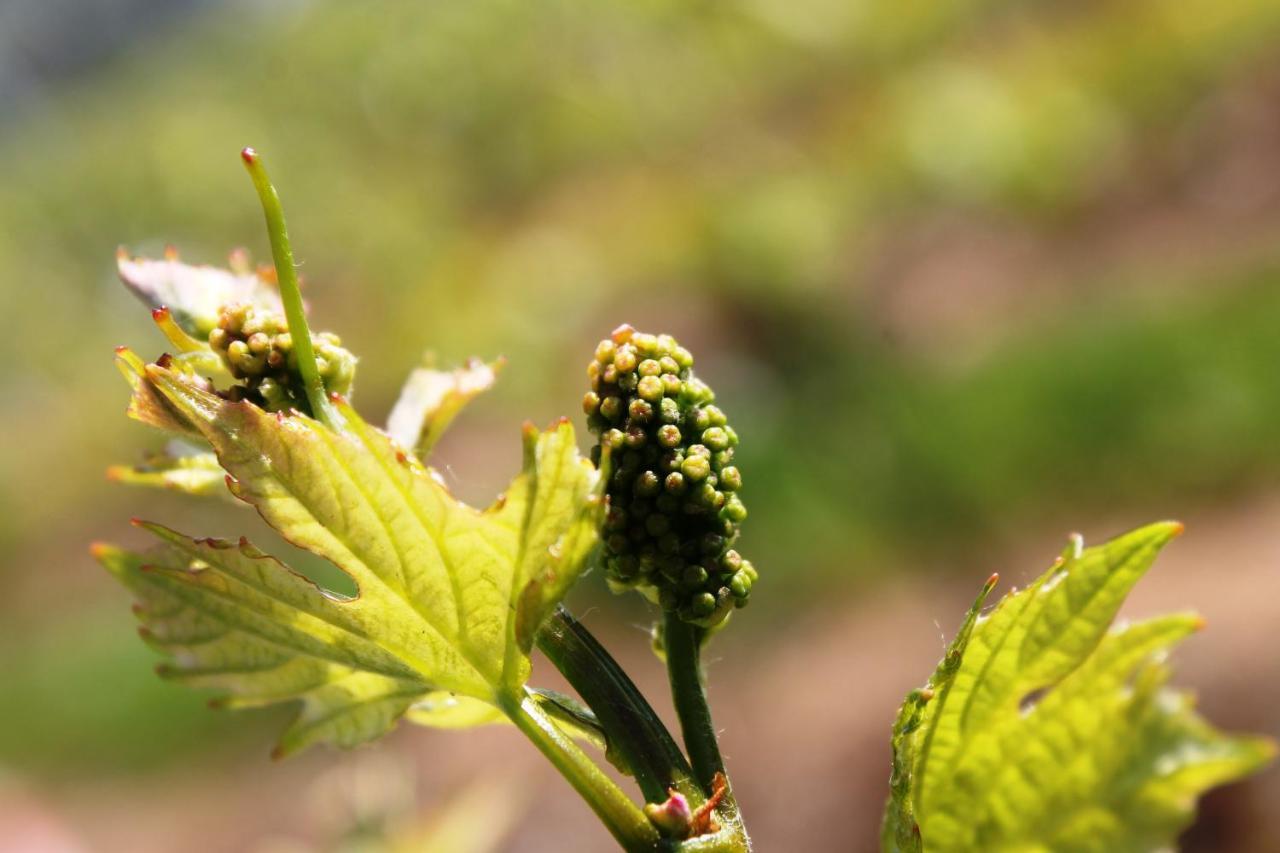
x,y
965,275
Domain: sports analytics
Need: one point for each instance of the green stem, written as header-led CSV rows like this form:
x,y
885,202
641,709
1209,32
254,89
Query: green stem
x,y
685,673
630,723
623,819
684,669
290,292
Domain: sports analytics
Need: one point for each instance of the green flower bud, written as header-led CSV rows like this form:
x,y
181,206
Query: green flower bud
x,y
611,408
694,577
730,479
255,346
715,438
645,344
648,484
669,436
624,360
696,468
639,410
701,420
673,509
734,510
650,388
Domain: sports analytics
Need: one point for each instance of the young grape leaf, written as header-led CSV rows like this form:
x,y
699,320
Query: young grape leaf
x,y
194,294
1041,729
449,596
178,467
432,398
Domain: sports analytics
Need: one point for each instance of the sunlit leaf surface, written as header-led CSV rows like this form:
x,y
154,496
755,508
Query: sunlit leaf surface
x,y
1046,729
449,596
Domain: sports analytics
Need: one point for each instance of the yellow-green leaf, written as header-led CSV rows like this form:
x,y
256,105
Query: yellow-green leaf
x,y
448,595
178,468
1045,729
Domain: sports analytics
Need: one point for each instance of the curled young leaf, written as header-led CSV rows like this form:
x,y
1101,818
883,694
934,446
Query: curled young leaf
x,y
430,399
194,294
1043,729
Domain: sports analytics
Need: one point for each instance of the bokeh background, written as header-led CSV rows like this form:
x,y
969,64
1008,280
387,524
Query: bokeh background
x,y
967,276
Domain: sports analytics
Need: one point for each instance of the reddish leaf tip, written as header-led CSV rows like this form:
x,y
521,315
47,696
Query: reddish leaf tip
x,y
122,254
137,522
98,550
1199,623
170,252
1176,528
160,314
248,155
121,350
992,581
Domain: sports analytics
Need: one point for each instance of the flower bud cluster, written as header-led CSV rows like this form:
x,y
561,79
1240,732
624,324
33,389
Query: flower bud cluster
x,y
674,511
256,347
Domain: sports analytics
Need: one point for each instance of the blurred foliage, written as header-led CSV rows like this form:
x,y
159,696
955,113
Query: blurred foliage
x,y
497,177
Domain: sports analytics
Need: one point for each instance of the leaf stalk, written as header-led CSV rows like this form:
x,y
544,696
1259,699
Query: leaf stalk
x,y
624,820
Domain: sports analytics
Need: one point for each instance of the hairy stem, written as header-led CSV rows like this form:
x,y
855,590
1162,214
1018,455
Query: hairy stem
x,y
624,820
290,292
629,722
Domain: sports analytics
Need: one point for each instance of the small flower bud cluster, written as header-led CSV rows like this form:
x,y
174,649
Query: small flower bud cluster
x,y
256,346
674,509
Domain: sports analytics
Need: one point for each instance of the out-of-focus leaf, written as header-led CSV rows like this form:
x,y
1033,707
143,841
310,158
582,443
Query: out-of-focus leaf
x,y
193,294
1042,730
177,467
430,399
448,595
